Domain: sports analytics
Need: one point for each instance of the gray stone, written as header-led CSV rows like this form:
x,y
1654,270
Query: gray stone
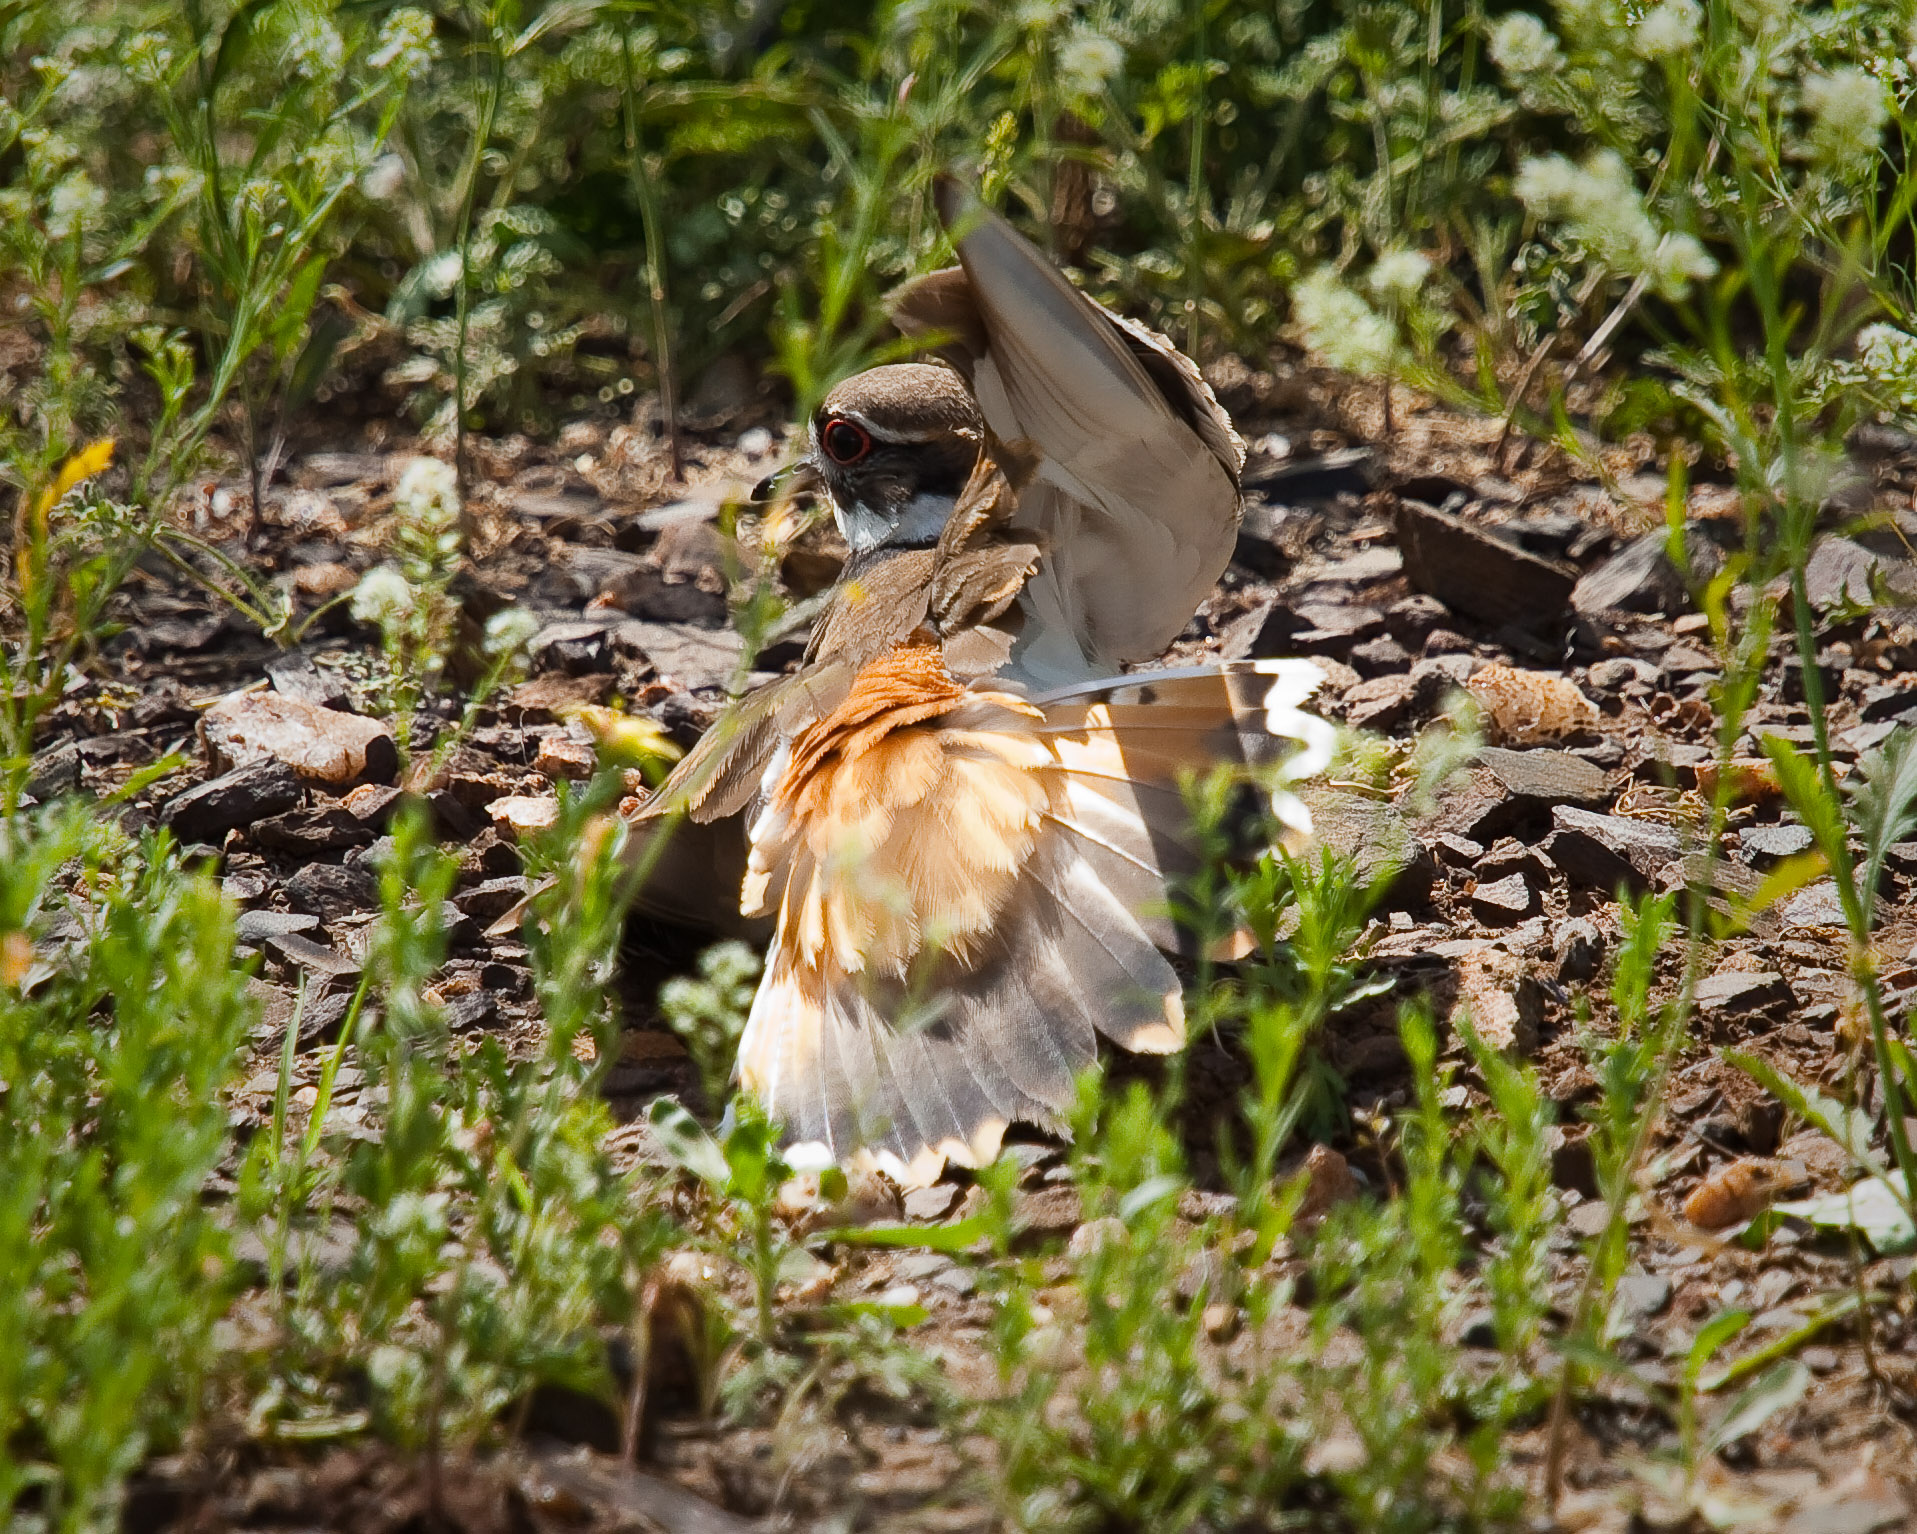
x,y
1456,851
1411,619
1621,673
492,899
1545,777
312,831
1472,572
1386,702
329,891
1379,657
1770,844
692,657
1639,578
1816,905
933,1203
1641,1295
1843,574
1579,947
1887,700
1742,993
247,794
1605,851
255,927
303,953
295,675
55,770
1504,902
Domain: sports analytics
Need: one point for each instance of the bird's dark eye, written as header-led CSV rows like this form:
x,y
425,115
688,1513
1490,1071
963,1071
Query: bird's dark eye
x,y
845,441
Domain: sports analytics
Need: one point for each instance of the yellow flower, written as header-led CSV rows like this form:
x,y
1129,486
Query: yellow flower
x,y
626,740
89,461
16,958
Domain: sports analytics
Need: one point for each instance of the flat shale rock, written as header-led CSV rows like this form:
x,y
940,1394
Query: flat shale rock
x,y
1504,902
1545,777
1604,851
1387,702
313,831
1579,948
1640,578
1470,571
209,810
322,744
1742,993
331,890
295,676
1770,844
1377,840
1841,573
255,927
1500,997
691,657
1815,905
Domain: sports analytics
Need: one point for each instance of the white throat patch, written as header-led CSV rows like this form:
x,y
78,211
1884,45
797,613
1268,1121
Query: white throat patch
x,y
921,522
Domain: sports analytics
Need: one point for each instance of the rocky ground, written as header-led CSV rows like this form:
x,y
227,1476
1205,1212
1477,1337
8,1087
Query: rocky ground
x,y
1411,565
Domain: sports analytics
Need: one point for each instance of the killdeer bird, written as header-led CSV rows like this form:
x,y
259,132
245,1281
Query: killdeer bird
x,y
961,819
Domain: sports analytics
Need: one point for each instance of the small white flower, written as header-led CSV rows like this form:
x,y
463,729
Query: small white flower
x,y
441,275
1678,260
73,204
148,57
1398,274
1545,184
406,44
314,49
1522,45
1669,28
383,596
509,631
383,177
1341,327
428,494
1848,112
1087,60
1599,204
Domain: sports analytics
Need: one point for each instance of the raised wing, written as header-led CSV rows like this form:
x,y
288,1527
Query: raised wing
x,y
1136,493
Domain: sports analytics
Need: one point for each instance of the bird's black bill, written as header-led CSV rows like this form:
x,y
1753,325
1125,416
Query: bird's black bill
x,y
795,479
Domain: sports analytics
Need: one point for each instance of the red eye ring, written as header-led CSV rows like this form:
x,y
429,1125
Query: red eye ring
x,y
844,441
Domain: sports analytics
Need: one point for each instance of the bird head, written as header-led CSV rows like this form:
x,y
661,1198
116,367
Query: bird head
x,y
893,448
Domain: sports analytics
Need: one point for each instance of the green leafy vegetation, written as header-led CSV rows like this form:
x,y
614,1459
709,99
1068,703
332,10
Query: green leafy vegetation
x,y
1684,225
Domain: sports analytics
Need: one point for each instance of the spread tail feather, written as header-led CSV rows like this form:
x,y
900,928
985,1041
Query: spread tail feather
x,y
971,888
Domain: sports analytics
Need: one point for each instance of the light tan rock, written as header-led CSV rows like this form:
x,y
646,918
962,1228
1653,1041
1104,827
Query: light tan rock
x,y
523,815
322,744
560,757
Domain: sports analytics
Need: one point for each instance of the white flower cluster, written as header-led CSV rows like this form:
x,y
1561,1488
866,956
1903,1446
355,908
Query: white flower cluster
x,y
148,57
428,496
1887,359
1522,45
1599,203
1668,29
1341,327
314,49
74,204
405,43
383,596
1398,274
382,180
509,631
1087,61
1848,112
